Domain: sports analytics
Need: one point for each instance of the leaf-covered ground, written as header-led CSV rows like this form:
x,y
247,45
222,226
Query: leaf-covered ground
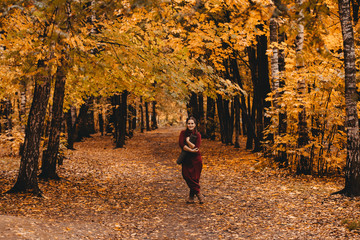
x,y
138,193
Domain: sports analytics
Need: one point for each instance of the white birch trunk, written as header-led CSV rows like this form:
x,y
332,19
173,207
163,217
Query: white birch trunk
x,y
275,56
304,165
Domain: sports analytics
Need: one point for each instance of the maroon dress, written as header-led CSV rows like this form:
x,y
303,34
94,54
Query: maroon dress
x,y
192,165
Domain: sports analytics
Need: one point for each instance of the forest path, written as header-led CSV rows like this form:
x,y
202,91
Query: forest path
x,y
137,192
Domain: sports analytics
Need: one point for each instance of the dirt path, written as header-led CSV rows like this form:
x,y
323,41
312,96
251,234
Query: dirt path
x,y
138,193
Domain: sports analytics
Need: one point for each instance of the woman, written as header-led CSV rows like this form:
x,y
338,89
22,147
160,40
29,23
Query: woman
x,y
189,141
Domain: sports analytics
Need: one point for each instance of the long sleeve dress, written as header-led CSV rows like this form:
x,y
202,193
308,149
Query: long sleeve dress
x,y
192,165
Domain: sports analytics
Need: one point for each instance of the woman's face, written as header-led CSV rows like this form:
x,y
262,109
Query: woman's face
x,y
191,124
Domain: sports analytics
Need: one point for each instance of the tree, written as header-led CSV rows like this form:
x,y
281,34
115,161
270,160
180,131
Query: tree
x,y
50,155
210,118
27,178
352,170
154,124
304,164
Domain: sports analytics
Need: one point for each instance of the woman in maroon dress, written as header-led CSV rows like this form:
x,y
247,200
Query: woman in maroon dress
x,y
189,140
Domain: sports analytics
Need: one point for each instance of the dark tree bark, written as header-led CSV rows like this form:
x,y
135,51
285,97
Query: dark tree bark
x,y
27,180
251,110
258,62
201,113
193,107
226,118
249,124
243,115
251,135
210,118
147,118
220,113
263,87
70,117
142,124
7,111
352,170
81,124
50,155
237,79
154,124
90,123
115,102
121,117
134,118
237,122
355,10
101,123
131,120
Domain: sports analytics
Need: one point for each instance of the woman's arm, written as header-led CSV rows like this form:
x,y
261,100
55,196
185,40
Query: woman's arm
x,y
190,144
182,139
188,149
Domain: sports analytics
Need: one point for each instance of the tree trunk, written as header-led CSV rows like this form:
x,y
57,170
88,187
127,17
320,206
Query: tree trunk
x,y
90,123
131,118
274,58
142,125
249,125
282,155
193,107
237,122
201,113
154,124
355,10
237,79
250,135
147,116
115,102
81,124
352,170
304,163
210,118
220,111
27,180
274,70
121,120
22,105
252,110
226,117
50,156
8,114
101,123
263,88
133,122
70,117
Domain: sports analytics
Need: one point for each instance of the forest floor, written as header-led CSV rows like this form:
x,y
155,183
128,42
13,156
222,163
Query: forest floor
x,y
137,192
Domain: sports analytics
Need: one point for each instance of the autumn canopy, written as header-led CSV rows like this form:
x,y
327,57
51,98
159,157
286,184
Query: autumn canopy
x,y
281,73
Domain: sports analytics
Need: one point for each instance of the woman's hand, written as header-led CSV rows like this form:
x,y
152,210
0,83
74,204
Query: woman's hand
x,y
188,149
195,150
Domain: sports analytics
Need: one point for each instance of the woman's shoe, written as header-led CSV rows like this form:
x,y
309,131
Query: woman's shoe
x,y
190,200
200,197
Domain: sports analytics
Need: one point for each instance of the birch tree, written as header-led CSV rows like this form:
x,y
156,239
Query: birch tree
x,y
303,166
